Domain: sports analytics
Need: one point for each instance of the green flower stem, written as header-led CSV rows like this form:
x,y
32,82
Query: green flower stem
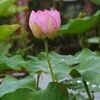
x,y
87,90
48,60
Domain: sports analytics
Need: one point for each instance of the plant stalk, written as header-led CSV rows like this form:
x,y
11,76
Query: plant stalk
x,y
48,60
37,83
99,36
87,90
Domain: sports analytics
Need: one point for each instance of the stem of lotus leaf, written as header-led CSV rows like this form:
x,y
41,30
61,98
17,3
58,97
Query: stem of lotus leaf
x,y
90,96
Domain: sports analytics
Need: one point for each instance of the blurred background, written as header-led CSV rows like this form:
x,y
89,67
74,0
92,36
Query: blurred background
x,y
25,43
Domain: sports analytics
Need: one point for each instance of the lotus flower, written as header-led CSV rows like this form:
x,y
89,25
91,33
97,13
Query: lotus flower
x,y
44,23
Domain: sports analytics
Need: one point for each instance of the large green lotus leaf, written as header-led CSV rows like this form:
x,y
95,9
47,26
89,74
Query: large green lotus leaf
x,y
85,64
6,30
60,64
97,2
11,84
13,10
3,66
7,8
84,54
20,94
54,91
88,67
4,48
90,70
79,25
27,95
15,62
4,5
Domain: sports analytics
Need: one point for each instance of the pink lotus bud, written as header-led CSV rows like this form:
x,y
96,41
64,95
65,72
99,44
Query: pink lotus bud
x,y
44,23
